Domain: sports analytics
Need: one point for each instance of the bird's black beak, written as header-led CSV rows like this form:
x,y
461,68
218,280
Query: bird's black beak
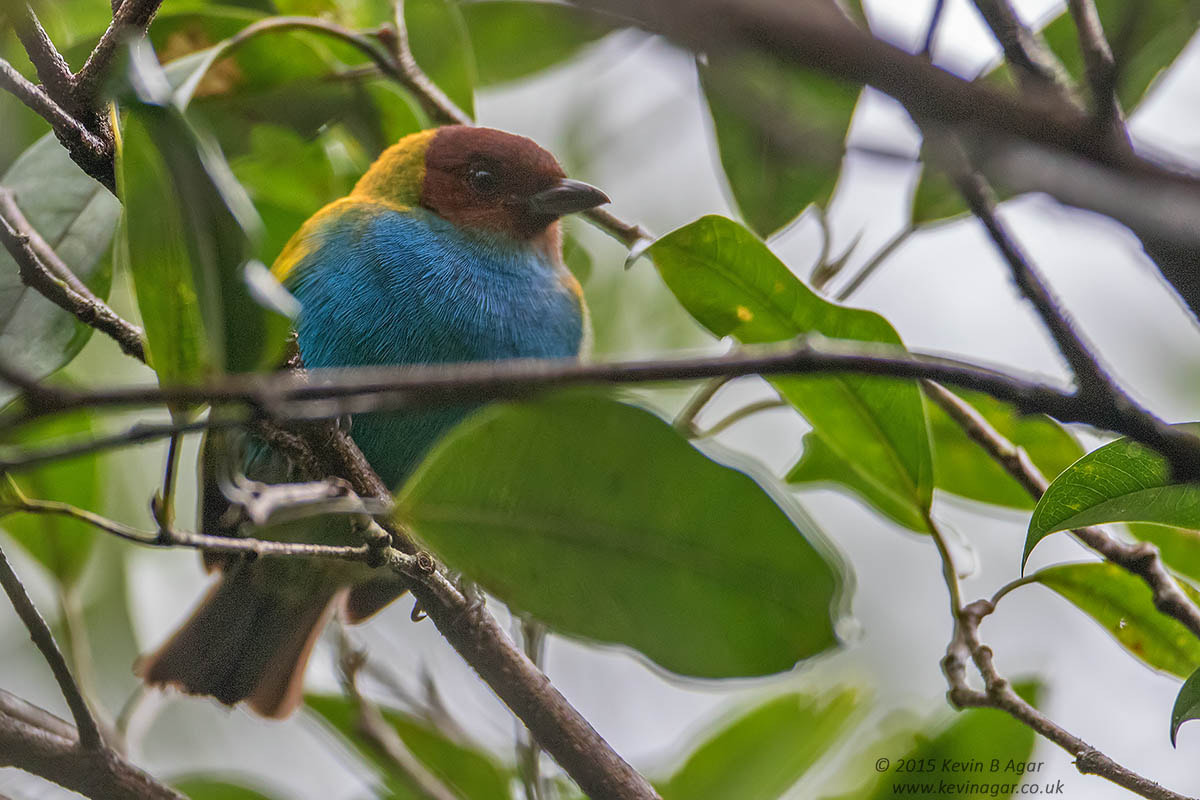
x,y
566,197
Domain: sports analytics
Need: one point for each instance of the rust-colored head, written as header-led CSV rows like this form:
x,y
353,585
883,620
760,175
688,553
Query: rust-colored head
x,y
490,180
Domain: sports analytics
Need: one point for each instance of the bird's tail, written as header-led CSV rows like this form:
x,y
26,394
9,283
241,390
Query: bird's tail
x,y
249,639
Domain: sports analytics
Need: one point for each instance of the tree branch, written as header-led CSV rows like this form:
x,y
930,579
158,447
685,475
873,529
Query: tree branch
x,y
131,18
1099,64
36,741
51,67
1034,65
89,732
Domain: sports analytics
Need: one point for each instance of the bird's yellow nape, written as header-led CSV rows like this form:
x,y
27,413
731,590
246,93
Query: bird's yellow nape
x,y
397,175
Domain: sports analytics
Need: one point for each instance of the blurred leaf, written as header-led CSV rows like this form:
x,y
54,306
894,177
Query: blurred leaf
x,y
188,231
983,739
935,197
764,752
735,286
780,133
61,545
516,38
77,217
287,79
438,37
1187,704
962,467
1124,606
820,464
1179,547
1160,30
203,788
577,258
470,772
1120,482
598,519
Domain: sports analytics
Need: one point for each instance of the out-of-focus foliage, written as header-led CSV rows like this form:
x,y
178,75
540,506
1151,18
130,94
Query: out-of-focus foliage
x,y
1187,704
596,518
760,755
465,769
59,544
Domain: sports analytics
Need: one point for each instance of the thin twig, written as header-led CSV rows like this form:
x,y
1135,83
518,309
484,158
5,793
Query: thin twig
x,y
737,415
874,263
529,755
39,631
372,725
935,18
999,694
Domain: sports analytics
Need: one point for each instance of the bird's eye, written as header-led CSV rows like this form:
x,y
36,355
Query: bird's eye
x,y
483,181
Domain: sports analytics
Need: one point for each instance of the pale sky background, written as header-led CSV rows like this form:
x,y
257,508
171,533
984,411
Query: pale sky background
x,y
648,143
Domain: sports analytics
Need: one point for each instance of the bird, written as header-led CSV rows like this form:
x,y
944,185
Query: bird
x,y
447,249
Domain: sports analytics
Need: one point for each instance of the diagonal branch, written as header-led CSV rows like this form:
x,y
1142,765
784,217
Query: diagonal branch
x,y
1099,64
1033,63
51,67
131,18
39,631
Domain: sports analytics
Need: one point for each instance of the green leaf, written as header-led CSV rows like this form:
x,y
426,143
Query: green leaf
x,y
77,217
598,519
1124,606
1179,547
962,467
1120,482
61,545
735,286
1161,29
780,133
820,464
470,772
438,36
516,38
764,752
190,236
1187,704
205,788
981,746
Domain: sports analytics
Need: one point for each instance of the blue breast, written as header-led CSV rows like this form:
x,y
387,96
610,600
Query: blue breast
x,y
383,287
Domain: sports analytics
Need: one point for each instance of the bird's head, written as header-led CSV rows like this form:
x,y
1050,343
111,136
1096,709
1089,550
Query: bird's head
x,y
480,179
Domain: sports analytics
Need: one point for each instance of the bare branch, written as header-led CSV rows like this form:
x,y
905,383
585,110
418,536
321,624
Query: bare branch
x,y
1034,65
39,631
51,67
1100,66
40,743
